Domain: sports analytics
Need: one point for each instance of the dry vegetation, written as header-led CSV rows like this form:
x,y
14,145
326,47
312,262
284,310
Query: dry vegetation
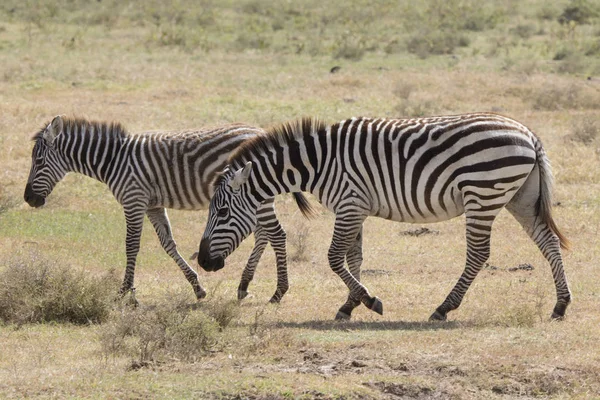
x,y
156,65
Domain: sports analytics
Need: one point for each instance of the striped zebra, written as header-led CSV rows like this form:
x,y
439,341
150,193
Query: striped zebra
x,y
410,170
147,173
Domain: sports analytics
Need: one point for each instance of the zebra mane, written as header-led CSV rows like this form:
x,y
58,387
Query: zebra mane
x,y
276,136
82,124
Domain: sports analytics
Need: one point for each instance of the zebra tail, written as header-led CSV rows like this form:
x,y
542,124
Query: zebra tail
x,y
305,207
544,205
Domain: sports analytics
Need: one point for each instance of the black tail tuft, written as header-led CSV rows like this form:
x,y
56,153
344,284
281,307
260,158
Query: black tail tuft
x,y
304,205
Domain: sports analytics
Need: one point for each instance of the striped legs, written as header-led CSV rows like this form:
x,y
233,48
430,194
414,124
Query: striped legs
x,y
160,221
478,251
348,225
268,230
134,219
549,245
354,258
260,243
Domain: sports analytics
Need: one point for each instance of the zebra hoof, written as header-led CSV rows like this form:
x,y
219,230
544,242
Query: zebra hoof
x,y
242,294
275,300
558,314
373,303
377,306
342,316
437,316
200,294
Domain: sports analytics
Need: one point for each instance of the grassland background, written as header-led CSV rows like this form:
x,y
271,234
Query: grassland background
x,y
183,64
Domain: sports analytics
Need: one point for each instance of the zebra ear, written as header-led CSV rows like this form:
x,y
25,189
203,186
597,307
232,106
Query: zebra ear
x,y
241,176
53,130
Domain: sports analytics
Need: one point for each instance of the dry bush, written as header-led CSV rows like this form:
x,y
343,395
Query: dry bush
x,y
35,289
571,96
7,202
168,330
585,130
298,240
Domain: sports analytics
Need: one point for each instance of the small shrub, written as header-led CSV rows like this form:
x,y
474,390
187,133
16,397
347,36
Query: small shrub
x,y
350,48
579,11
223,312
524,31
7,202
585,131
165,331
414,109
548,12
298,240
564,97
34,289
403,90
425,44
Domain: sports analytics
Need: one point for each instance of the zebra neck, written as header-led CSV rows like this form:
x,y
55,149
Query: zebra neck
x,y
280,171
93,154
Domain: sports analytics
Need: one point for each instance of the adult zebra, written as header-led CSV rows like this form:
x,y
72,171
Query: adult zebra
x,y
147,173
410,170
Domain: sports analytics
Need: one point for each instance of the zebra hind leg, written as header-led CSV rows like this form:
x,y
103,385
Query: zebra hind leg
x,y
354,259
478,251
160,221
260,243
549,244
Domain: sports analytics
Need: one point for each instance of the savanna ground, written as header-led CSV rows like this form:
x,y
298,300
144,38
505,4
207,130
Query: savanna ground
x,y
189,64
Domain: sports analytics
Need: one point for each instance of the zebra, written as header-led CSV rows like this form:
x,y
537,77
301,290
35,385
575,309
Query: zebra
x,y
148,173
409,170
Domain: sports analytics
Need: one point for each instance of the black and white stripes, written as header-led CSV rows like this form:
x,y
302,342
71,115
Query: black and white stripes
x,y
410,170
148,173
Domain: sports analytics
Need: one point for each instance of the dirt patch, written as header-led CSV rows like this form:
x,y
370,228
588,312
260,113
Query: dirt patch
x,y
406,391
522,267
416,232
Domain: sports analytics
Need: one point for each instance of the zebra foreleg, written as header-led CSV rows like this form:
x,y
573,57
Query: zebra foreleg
x,y
478,251
134,219
354,259
347,227
260,243
276,236
160,221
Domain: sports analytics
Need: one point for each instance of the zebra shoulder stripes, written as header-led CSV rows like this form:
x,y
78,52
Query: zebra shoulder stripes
x,y
147,173
410,170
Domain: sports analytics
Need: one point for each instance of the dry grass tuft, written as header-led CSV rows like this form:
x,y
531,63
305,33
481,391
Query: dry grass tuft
x,y
298,241
166,331
34,289
585,130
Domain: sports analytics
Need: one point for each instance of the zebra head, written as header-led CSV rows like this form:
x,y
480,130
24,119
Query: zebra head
x,y
231,218
47,169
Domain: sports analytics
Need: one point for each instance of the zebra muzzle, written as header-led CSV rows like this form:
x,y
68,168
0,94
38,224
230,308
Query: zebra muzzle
x,y
205,261
32,198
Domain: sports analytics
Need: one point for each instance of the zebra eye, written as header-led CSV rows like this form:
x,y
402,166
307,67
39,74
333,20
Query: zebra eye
x,y
222,212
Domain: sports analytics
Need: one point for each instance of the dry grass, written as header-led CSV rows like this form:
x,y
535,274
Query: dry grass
x,y
158,75
37,290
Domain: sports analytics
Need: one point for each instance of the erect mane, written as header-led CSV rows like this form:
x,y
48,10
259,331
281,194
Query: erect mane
x,y
275,136
115,128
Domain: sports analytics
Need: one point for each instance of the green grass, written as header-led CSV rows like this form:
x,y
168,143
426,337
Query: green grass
x,y
153,65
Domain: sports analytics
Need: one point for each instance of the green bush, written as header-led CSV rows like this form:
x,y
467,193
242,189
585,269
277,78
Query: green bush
x,y
34,289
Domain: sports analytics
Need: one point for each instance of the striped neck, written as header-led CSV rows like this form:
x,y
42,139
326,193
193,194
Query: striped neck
x,y
90,148
287,159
